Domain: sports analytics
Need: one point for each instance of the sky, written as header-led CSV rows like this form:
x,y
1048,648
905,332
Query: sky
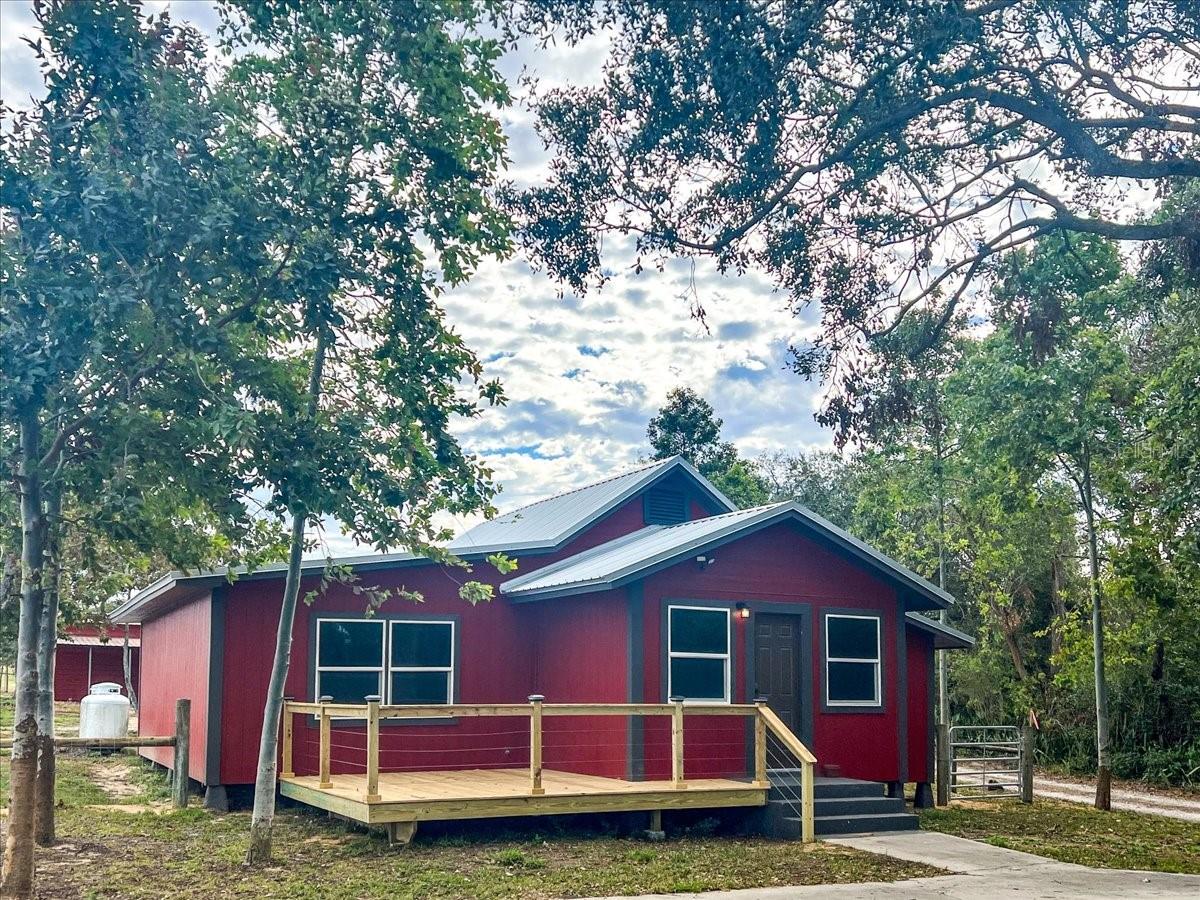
x,y
583,374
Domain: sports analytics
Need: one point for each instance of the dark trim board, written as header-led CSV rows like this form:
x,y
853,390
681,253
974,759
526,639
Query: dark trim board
x,y
635,675
216,684
901,695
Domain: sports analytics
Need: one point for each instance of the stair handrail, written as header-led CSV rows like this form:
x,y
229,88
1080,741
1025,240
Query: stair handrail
x,y
807,761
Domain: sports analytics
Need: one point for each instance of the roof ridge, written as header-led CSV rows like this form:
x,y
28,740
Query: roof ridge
x,y
584,487
732,512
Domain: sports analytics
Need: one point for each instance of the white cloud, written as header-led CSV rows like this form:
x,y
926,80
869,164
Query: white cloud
x,y
584,374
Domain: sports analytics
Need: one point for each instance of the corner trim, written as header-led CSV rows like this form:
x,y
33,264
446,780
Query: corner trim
x,y
635,675
216,684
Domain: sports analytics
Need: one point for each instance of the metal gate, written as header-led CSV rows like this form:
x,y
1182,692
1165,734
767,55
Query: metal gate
x,y
985,762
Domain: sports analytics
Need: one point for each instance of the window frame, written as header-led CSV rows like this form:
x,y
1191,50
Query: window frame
x,y
381,669
450,671
726,657
876,661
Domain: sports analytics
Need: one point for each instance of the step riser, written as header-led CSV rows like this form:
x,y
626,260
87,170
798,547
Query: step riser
x,y
826,791
846,825
841,806
856,806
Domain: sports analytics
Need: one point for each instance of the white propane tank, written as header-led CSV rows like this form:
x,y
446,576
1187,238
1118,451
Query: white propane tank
x,y
104,712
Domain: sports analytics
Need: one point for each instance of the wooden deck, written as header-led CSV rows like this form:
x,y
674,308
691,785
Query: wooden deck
x,y
487,793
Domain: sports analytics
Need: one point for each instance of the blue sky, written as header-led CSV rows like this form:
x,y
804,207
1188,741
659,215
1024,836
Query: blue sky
x,y
583,374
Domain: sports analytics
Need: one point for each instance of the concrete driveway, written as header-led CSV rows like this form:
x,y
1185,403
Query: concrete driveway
x,y
981,872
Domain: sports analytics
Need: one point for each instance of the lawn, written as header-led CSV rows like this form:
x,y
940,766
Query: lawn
x,y
1075,833
119,838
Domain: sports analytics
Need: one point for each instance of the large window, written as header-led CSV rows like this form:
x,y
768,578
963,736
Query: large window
x,y
402,661
852,669
698,653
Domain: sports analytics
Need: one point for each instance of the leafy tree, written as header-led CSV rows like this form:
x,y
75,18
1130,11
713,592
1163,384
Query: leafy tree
x,y
875,157
1068,413
824,481
687,426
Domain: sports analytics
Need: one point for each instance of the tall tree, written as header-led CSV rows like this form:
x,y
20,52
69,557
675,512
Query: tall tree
x,y
378,149
876,157
687,426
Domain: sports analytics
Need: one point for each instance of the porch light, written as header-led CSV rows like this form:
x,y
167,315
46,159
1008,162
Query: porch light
x,y
741,610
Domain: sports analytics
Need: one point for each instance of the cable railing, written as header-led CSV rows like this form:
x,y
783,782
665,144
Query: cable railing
x,y
787,748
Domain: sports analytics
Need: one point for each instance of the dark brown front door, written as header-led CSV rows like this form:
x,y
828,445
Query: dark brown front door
x,y
777,665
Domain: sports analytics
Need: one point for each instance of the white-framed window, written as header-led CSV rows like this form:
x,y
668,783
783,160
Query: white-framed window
x,y
404,661
350,659
421,662
852,660
698,653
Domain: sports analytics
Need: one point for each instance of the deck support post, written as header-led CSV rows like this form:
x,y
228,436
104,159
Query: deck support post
x,y
760,745
372,749
1027,737
943,764
286,769
401,833
655,831
326,781
180,777
677,744
535,744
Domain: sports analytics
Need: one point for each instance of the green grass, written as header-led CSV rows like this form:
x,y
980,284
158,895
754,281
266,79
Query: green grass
x,y
106,852
1075,833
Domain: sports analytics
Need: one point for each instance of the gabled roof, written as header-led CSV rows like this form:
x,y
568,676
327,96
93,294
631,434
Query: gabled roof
x,y
944,637
550,523
92,640
639,554
541,526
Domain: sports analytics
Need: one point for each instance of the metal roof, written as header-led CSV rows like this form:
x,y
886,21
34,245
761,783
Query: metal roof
x,y
540,526
944,637
642,552
550,523
91,640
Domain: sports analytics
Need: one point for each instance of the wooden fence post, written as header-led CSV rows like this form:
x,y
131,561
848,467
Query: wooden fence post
x,y
183,723
325,781
1028,736
535,744
677,744
372,748
943,764
760,745
286,767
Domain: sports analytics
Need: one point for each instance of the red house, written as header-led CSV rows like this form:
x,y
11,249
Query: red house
x,y
88,654
641,587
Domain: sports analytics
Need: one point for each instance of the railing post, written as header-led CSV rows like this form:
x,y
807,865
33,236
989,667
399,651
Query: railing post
x,y
760,744
677,744
807,785
535,744
286,769
943,764
326,781
183,722
1028,736
372,748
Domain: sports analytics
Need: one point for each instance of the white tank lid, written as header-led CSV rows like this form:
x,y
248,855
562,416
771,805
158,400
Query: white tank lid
x,y
105,687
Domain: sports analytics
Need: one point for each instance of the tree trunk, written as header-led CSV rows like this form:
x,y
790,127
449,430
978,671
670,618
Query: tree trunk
x,y
17,878
943,677
1103,770
263,816
43,826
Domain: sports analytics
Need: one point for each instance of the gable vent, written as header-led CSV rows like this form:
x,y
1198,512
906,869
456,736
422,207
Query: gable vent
x,y
664,507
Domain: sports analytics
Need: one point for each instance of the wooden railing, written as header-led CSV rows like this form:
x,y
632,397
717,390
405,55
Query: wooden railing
x,y
372,713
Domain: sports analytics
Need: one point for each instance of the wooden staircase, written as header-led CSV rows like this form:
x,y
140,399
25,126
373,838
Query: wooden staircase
x,y
840,806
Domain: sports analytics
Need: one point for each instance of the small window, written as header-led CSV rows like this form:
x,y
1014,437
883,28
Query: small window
x,y
349,659
661,507
852,660
421,669
698,653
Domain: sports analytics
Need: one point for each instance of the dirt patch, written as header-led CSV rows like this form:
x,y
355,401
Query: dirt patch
x,y
114,780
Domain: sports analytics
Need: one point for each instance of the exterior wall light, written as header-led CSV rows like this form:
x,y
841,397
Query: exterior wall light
x,y
741,610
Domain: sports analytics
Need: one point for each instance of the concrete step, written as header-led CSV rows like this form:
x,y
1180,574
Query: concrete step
x,y
824,788
857,806
856,824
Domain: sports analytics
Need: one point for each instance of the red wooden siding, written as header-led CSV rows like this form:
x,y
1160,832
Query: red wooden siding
x,y
920,671
580,657
778,564
175,665
71,669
